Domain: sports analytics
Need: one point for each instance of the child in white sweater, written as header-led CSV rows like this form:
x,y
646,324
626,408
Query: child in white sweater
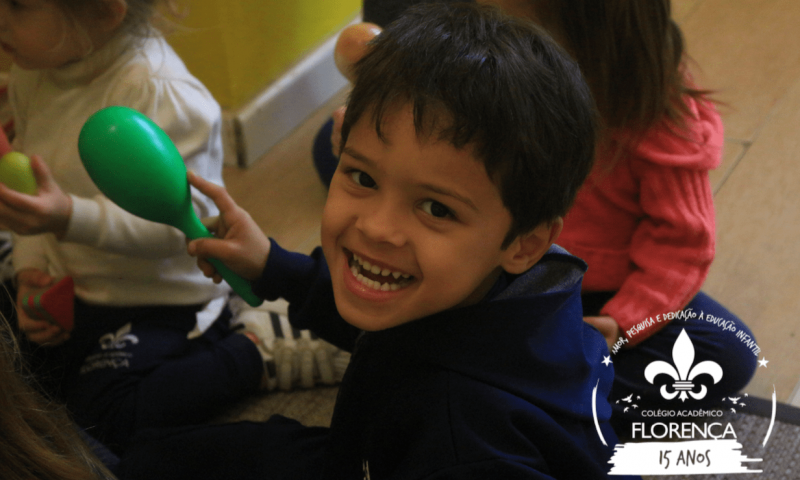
x,y
129,362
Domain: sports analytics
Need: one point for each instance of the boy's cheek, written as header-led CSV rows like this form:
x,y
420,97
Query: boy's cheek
x,y
327,235
334,219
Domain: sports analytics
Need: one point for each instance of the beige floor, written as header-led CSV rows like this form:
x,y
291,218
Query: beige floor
x,y
746,50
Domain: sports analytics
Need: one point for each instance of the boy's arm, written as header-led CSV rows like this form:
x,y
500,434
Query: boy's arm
x,y
305,282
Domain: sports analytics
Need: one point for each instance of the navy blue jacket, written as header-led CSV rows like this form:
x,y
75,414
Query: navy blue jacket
x,y
500,389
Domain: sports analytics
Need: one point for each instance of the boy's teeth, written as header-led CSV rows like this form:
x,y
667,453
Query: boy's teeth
x,y
375,285
375,270
372,283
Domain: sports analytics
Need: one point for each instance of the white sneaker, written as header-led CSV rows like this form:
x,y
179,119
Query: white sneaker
x,y
292,358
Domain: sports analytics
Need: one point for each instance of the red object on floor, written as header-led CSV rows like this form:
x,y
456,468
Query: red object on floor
x,y
55,304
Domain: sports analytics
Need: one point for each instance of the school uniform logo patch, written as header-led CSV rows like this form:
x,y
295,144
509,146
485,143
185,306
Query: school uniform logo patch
x,y
118,340
111,357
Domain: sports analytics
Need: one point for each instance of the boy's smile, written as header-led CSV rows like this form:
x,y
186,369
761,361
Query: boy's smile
x,y
375,276
412,226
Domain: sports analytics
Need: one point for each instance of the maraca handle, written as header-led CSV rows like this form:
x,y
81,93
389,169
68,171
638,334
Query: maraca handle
x,y
194,228
239,284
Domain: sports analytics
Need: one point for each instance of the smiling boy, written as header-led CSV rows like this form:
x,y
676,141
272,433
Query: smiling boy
x,y
413,227
466,137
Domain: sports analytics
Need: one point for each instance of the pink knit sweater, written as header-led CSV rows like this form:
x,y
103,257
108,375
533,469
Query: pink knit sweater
x,y
646,228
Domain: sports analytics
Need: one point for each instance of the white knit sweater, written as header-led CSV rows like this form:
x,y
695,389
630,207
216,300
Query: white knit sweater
x,y
114,257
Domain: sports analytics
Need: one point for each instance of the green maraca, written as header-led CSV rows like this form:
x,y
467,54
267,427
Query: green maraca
x,y
135,164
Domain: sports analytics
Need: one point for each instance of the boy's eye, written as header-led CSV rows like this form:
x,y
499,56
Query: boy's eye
x,y
436,209
362,179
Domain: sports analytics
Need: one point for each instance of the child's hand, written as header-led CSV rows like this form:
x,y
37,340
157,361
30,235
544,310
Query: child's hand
x,y
239,244
37,330
48,211
608,328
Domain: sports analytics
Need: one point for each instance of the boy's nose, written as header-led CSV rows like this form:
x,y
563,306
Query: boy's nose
x,y
382,224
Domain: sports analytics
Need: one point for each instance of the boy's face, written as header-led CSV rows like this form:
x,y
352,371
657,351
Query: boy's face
x,y
422,216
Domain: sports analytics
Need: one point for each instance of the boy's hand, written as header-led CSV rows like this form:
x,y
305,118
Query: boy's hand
x,y
239,244
608,328
47,211
37,330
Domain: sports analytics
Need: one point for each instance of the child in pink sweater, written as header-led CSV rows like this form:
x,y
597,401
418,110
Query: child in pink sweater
x,y
644,222
644,219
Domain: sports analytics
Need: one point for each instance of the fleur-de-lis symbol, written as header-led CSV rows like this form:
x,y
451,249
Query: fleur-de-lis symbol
x,y
683,373
117,340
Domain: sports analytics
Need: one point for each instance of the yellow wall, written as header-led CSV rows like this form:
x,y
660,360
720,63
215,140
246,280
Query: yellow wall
x,y
237,48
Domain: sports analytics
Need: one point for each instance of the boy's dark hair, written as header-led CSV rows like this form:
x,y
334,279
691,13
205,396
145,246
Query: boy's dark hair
x,y
476,76
384,12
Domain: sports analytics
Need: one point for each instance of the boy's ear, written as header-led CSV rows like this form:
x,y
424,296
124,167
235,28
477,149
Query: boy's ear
x,y
528,248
